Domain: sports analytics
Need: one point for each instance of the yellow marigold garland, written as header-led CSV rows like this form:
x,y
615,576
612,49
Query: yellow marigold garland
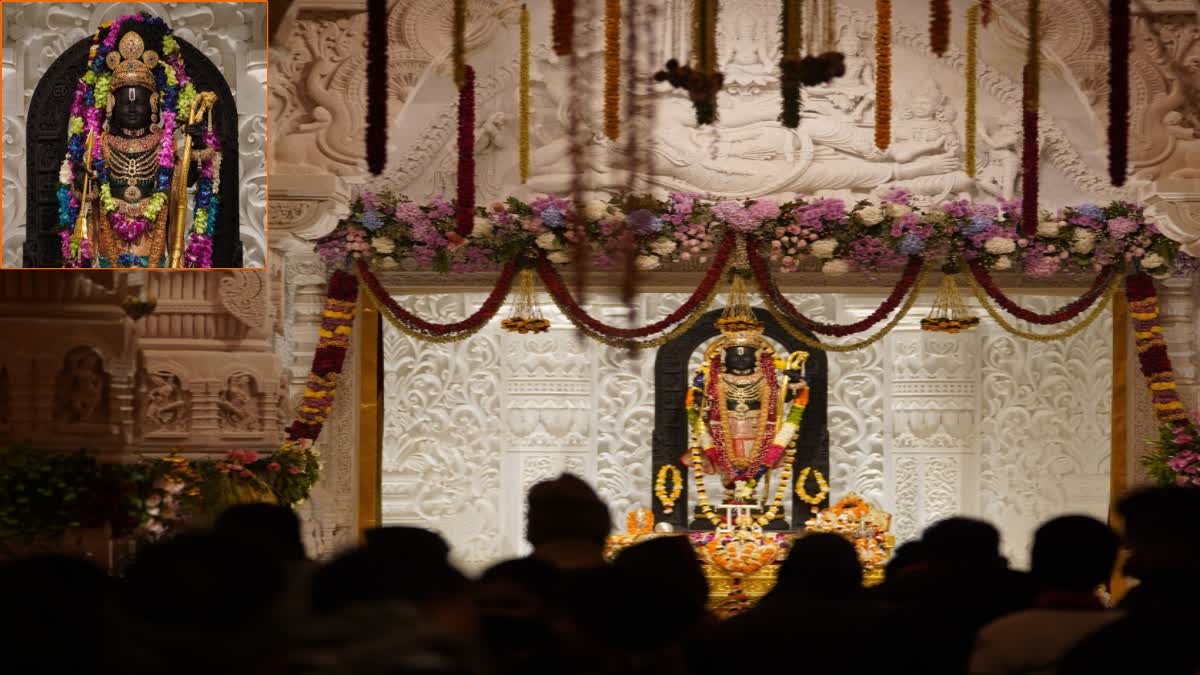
x,y
883,74
612,68
523,98
660,487
972,68
822,487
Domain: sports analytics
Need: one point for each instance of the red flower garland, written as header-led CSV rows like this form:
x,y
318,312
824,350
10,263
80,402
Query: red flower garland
x,y
1062,314
415,323
717,427
767,284
1152,349
563,26
377,81
939,26
465,209
558,291
985,12
1118,85
1029,166
328,358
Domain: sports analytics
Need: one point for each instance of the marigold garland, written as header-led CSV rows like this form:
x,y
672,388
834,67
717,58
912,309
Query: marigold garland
x,y
1004,324
972,75
337,321
612,68
981,278
770,289
660,487
1029,121
377,82
459,49
883,74
702,81
523,99
1118,86
465,205
563,26
1153,357
939,26
802,491
447,332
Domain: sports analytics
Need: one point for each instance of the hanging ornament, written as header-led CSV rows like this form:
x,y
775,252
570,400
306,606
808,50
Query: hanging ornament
x,y
949,314
791,26
1118,86
612,68
939,26
883,74
1029,122
377,82
972,75
985,12
526,316
563,26
465,203
460,39
702,81
523,99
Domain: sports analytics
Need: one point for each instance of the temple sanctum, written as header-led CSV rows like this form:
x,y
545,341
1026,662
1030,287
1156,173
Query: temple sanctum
x,y
759,283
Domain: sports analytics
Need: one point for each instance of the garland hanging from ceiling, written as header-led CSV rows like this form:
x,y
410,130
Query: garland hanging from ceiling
x,y
377,83
701,80
1031,82
883,74
971,71
1119,45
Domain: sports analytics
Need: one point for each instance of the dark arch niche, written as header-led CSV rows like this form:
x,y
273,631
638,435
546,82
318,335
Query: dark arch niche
x,y
671,376
46,145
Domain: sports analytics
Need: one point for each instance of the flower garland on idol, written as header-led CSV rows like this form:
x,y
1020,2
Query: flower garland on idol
x,y
87,116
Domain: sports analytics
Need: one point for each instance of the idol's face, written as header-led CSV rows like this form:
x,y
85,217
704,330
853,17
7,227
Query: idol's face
x,y
739,359
131,107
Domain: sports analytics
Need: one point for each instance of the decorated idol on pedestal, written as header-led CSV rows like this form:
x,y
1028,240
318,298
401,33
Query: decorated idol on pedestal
x,y
744,408
123,187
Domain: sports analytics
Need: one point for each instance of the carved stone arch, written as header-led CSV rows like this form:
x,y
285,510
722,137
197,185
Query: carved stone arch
x,y
671,380
46,145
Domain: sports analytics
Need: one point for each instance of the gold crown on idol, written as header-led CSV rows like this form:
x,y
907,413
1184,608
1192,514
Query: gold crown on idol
x,y
738,325
131,64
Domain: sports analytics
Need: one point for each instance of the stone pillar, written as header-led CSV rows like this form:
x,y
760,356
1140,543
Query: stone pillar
x,y
934,407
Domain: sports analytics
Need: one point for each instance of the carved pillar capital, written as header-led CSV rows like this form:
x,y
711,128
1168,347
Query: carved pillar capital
x,y
1174,206
305,208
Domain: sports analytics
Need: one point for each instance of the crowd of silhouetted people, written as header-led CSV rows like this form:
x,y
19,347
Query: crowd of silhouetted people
x,y
243,598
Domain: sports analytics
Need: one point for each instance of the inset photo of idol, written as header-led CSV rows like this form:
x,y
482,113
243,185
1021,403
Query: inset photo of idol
x,y
134,135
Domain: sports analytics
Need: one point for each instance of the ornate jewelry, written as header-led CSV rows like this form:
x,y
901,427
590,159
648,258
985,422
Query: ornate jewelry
x,y
133,133
660,487
131,63
131,146
132,193
822,486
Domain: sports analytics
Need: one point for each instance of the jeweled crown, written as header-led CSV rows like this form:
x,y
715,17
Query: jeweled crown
x,y
131,64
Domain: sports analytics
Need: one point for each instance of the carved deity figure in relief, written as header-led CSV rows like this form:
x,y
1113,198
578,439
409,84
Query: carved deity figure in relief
x,y
237,404
924,128
166,404
81,388
1001,170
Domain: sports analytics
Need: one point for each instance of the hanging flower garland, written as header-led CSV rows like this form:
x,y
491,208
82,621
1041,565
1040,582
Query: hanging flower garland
x,y
982,280
1087,321
337,320
986,12
465,209
415,326
86,120
703,80
939,26
377,82
883,74
523,99
612,68
1029,121
791,27
972,77
668,499
563,26
459,49
1152,349
1119,46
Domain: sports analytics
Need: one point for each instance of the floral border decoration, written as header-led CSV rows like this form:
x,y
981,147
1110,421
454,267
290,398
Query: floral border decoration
x,y
389,232
44,493
87,118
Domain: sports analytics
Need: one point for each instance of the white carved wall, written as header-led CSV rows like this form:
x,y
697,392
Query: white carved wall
x,y
231,34
925,424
